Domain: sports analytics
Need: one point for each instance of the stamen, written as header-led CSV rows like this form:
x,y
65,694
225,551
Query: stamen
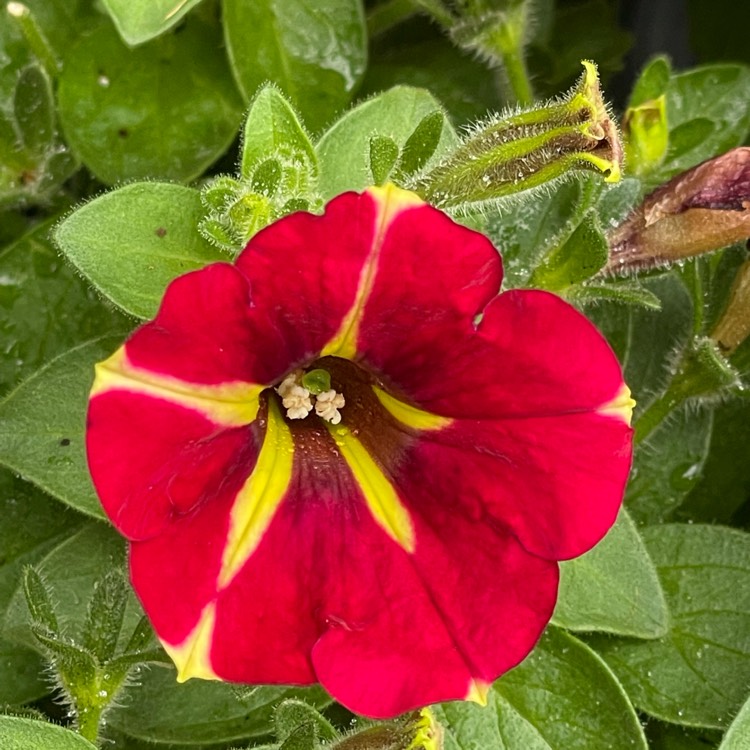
x,y
295,398
328,404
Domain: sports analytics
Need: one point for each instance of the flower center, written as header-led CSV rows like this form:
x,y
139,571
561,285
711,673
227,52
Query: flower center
x,y
300,391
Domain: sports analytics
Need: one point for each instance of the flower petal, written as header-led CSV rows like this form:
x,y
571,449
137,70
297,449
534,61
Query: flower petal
x,y
531,355
424,272
305,272
329,593
556,482
153,460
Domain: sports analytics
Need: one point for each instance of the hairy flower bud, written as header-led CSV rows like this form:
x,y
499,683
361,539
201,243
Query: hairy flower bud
x,y
703,209
529,148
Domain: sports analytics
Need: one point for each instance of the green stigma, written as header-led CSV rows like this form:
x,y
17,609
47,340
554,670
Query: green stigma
x,y
317,381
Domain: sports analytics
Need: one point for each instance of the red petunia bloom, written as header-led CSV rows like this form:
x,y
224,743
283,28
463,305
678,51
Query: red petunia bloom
x,y
406,554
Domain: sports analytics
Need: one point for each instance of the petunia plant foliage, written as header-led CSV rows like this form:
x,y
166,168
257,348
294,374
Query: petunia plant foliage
x,y
371,380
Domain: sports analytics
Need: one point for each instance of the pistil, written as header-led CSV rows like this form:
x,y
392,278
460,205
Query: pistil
x,y
298,400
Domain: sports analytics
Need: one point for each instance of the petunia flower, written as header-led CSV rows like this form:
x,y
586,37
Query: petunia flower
x,y
406,554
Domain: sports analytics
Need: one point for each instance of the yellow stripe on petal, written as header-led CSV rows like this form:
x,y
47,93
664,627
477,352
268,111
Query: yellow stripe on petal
x,y
193,656
478,692
620,407
410,415
260,496
382,500
391,201
228,404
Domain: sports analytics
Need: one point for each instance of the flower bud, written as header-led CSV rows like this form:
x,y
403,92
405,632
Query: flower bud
x,y
703,209
529,148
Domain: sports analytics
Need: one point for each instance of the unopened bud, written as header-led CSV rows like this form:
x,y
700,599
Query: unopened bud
x,y
530,148
703,209
734,326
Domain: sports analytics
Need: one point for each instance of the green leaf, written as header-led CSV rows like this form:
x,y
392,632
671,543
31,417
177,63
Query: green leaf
x,y
43,421
613,588
738,734
272,127
141,20
699,672
723,484
707,114
34,110
668,464
130,243
315,53
71,571
343,150
578,258
45,308
129,114
652,82
33,159
162,710
561,697
17,733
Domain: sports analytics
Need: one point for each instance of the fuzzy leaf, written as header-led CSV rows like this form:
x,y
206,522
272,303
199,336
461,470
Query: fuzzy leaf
x,y
561,697
43,424
141,20
17,733
343,150
130,243
613,588
131,114
699,672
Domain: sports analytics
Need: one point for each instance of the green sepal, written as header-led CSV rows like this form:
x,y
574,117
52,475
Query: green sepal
x,y
703,374
628,293
39,601
266,177
220,191
383,155
421,145
77,667
302,738
578,258
292,715
141,638
105,614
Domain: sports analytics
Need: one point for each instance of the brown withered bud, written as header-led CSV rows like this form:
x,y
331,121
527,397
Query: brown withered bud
x,y
703,209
